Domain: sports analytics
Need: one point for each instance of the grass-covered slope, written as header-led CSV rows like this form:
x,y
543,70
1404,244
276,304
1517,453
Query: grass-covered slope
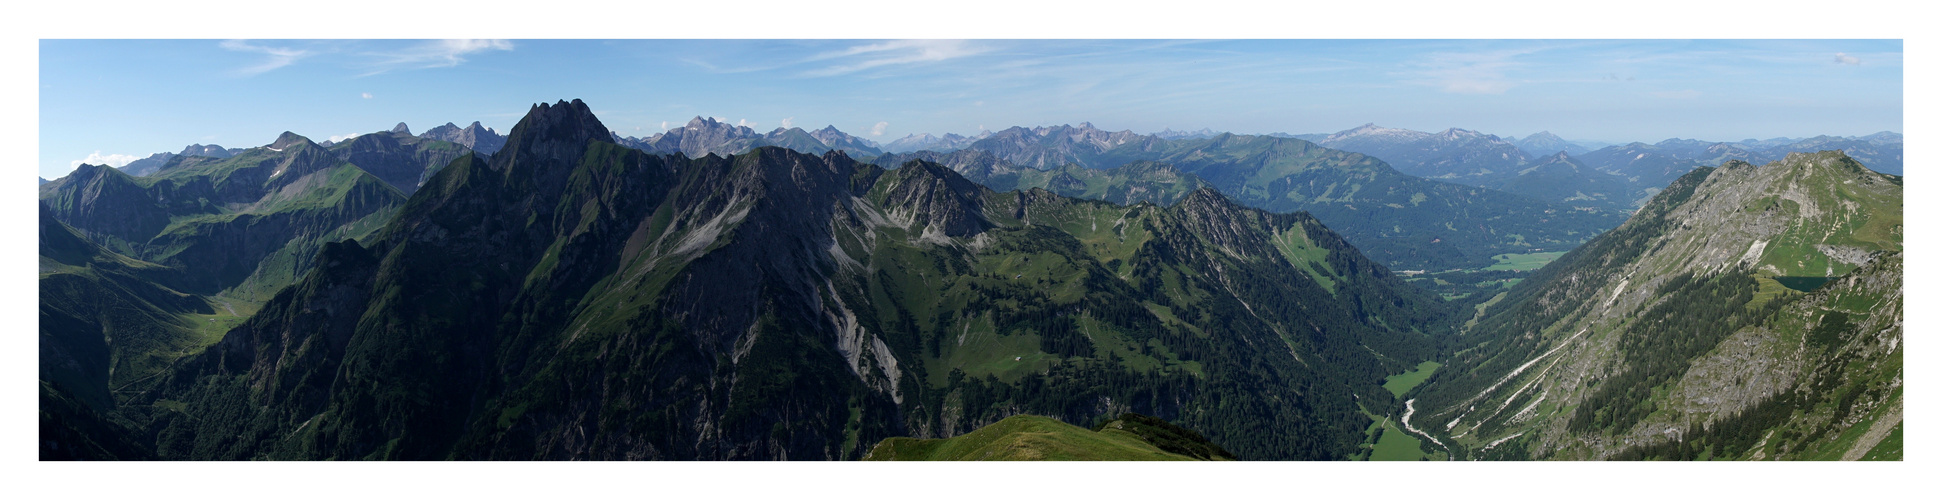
x,y
398,158
243,226
1678,320
108,321
573,298
1032,437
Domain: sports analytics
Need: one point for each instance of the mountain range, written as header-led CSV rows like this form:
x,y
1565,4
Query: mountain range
x,y
1401,220
704,136
715,293
726,324
927,142
1483,160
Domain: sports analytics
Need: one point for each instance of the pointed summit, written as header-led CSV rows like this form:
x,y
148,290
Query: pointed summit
x,y
558,132
401,129
937,197
288,139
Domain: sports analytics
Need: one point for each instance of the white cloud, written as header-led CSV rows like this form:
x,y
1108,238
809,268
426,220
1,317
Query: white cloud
x,y
788,122
744,122
97,158
1844,58
279,56
345,137
864,57
878,128
367,95
664,125
435,54
1676,94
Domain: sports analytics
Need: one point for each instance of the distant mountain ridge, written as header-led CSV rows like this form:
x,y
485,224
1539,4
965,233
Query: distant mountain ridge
x,y
475,137
1404,221
704,136
1478,159
1545,143
927,142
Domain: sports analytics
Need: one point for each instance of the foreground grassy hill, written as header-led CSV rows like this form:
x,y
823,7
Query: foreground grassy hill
x,y
1032,437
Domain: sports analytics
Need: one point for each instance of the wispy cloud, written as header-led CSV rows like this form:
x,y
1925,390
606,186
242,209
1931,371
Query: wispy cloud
x,y
788,122
345,137
278,56
367,95
878,128
1468,73
744,122
895,52
1844,58
434,54
97,158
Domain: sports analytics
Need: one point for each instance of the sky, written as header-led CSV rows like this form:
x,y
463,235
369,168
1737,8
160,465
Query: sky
x,y
113,101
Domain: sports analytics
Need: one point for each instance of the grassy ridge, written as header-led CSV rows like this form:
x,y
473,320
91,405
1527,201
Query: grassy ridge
x,y
1026,437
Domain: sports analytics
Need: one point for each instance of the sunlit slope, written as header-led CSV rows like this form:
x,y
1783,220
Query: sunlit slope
x,y
1031,437
1678,320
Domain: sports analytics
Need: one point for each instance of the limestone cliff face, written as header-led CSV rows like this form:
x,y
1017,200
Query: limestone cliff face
x,y
1579,361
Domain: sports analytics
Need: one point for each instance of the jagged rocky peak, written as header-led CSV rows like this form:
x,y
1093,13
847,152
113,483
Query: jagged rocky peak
x,y
476,137
1206,198
552,135
570,121
937,198
449,129
288,140
1224,223
703,122
401,129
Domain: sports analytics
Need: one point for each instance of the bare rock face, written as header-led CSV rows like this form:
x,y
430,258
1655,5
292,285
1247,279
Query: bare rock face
x,y
475,137
935,198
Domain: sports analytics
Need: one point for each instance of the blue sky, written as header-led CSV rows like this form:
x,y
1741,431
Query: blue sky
x,y
116,100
